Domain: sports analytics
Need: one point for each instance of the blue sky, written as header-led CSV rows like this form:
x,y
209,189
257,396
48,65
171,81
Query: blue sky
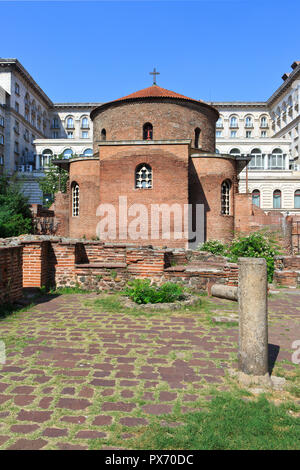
x,y
214,50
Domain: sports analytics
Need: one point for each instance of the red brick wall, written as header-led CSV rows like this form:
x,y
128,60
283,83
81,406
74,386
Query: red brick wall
x,y
249,218
169,165
87,175
10,274
94,265
63,259
170,120
61,209
206,178
35,263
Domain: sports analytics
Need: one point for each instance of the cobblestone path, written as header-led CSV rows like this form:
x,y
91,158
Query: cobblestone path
x,y
74,373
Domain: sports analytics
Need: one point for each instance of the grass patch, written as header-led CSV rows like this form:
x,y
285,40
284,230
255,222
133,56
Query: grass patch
x,y
109,303
229,423
113,304
68,290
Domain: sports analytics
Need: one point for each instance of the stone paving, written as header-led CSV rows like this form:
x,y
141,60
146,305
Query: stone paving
x,y
75,374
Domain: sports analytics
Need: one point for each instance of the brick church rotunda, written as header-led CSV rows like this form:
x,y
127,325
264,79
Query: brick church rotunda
x,y
153,149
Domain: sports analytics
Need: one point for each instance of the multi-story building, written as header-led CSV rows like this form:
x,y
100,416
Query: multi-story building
x,y
268,132
71,132
33,129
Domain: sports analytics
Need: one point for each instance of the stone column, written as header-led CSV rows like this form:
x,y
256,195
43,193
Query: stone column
x,y
253,316
37,162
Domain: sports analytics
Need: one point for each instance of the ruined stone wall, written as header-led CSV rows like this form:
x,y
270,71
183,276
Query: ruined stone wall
x,y
10,274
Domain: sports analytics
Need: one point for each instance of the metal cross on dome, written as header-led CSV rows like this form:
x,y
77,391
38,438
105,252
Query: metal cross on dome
x,y
154,73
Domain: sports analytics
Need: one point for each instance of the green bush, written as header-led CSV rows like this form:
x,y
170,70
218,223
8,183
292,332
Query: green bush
x,y
213,246
255,245
15,214
141,291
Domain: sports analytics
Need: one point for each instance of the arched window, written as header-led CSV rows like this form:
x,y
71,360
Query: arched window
x,y
219,122
235,151
297,199
257,160
147,131
277,199
225,197
256,197
68,153
233,121
143,176
103,134
263,121
70,123
248,121
84,123
46,157
75,200
277,160
197,137
88,153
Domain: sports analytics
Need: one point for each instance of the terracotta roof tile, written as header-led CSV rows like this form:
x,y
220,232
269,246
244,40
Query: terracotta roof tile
x,y
155,91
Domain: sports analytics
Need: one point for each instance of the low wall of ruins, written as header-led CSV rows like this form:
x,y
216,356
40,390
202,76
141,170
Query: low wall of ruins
x,y
40,261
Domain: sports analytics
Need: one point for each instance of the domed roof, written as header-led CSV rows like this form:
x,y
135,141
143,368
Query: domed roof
x,y
155,91
151,92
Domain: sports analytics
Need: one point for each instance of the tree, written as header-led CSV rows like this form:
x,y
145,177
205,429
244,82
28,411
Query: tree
x,y
55,180
15,213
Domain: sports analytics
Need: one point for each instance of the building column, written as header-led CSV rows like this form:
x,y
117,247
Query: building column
x,y
37,162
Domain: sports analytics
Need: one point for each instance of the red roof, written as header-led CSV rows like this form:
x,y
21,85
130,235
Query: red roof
x,y
155,91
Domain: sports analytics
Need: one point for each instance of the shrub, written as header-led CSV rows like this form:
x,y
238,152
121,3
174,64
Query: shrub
x,y
255,245
141,291
15,214
213,246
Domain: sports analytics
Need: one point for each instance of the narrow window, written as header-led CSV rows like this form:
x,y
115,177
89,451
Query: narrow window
x,y
256,197
233,121
225,197
143,176
85,123
197,136
75,200
249,121
70,123
103,134
263,122
297,199
147,131
277,199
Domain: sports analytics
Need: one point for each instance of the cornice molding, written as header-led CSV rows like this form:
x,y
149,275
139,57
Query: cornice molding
x,y
14,64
